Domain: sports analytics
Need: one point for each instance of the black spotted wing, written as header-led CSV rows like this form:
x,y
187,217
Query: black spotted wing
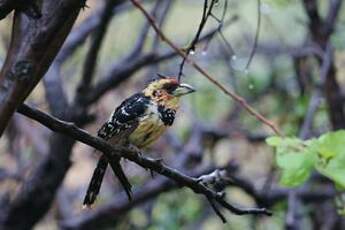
x,y
125,118
120,125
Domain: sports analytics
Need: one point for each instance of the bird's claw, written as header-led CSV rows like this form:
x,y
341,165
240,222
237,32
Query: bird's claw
x,y
152,173
134,149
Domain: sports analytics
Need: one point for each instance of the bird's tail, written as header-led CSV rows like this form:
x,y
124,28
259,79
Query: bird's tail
x,y
116,166
96,182
97,178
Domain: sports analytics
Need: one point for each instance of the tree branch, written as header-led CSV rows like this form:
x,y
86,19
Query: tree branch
x,y
90,63
74,132
33,47
28,7
320,31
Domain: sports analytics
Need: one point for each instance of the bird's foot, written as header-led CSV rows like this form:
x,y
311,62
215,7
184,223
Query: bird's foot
x,y
134,149
152,173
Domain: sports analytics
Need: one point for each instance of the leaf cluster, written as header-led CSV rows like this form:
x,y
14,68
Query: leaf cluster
x,y
297,158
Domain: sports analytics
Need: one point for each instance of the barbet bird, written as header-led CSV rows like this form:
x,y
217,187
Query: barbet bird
x,y
140,120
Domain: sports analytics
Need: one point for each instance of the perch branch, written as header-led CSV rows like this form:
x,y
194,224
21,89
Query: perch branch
x,y
157,166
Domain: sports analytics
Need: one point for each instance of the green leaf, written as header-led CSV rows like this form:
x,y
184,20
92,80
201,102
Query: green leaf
x,y
331,144
295,158
274,141
293,178
333,167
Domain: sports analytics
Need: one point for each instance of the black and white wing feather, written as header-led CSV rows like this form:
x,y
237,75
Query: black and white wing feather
x,y
121,124
125,117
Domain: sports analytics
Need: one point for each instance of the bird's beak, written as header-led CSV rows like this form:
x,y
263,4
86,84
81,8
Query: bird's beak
x,y
183,89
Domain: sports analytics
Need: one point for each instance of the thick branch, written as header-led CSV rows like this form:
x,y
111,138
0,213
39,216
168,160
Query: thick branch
x,y
34,45
320,34
28,7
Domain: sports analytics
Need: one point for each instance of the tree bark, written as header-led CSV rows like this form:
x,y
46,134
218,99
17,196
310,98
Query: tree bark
x,y
34,45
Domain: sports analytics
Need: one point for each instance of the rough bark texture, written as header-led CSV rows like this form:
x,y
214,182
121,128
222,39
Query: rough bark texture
x,y
34,45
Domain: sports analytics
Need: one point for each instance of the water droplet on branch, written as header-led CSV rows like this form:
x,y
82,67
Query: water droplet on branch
x,y
238,63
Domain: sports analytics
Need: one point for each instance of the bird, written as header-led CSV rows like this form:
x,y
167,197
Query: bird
x,y
138,122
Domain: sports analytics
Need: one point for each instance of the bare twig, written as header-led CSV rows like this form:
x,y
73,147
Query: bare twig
x,y
207,12
90,63
138,47
257,33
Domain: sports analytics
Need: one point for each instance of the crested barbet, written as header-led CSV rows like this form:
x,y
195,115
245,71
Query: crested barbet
x,y
139,121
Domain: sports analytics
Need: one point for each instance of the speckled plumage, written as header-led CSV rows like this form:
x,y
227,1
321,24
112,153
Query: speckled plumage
x,y
139,120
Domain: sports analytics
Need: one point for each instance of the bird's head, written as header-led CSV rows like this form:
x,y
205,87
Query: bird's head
x,y
167,91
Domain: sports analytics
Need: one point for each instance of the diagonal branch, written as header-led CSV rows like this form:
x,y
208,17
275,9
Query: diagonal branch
x,y
204,73
157,166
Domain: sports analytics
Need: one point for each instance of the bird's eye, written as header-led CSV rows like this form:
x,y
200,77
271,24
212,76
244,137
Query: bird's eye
x,y
170,87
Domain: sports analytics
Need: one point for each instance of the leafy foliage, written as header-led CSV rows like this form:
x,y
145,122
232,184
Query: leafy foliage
x,y
297,158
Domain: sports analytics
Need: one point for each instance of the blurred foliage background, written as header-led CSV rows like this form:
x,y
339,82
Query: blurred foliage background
x,y
271,84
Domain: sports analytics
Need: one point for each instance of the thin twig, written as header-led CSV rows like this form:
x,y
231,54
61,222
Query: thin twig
x,y
257,33
207,12
90,64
